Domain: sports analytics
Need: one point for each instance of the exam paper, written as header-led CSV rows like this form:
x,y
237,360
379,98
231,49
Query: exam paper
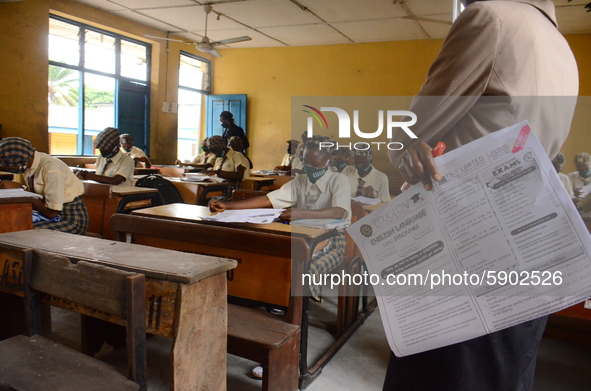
x,y
202,178
18,193
256,216
499,211
367,200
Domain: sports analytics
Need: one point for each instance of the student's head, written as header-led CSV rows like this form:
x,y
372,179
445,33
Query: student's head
x,y
362,159
340,158
204,146
291,146
316,157
217,145
107,142
235,143
226,119
583,164
16,154
126,142
558,162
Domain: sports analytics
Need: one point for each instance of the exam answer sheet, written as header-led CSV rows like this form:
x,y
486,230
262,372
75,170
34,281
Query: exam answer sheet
x,y
499,221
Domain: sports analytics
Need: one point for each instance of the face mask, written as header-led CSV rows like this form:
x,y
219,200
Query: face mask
x,y
288,151
585,174
126,149
363,170
315,173
225,125
222,153
204,148
340,165
113,153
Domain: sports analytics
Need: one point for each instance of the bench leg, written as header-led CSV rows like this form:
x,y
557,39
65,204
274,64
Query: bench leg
x,y
281,367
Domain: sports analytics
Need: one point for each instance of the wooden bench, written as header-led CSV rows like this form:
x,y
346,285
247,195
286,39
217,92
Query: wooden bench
x,y
36,363
272,340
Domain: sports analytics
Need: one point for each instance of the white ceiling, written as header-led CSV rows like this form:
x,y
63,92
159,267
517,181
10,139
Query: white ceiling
x,y
310,22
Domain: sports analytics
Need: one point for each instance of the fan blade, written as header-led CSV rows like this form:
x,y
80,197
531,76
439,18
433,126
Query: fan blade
x,y
169,39
231,40
215,53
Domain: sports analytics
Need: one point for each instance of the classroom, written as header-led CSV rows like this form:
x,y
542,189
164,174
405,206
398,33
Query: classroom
x,y
77,74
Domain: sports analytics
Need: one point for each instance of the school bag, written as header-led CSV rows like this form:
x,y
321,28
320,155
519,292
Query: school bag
x,y
167,191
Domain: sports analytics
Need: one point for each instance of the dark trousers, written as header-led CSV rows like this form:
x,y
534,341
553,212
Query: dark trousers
x,y
501,361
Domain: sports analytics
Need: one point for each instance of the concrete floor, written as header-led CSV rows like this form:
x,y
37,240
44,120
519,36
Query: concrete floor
x,y
359,365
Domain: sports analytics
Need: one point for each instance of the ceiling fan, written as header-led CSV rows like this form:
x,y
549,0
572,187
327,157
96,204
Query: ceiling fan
x,y
206,45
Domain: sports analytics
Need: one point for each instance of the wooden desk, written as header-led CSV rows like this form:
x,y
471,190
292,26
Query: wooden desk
x,y
257,183
185,297
16,214
280,180
192,191
270,280
102,201
145,171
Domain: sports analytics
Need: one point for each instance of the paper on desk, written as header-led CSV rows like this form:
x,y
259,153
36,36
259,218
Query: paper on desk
x,y
18,193
367,200
256,216
202,178
585,190
500,207
322,223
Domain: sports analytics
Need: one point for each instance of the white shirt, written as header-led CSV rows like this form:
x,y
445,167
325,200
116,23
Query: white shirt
x,y
376,179
53,179
121,164
136,152
232,161
577,181
566,182
204,158
334,192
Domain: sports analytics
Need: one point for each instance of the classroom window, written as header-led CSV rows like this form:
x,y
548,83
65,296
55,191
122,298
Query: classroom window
x,y
194,84
91,74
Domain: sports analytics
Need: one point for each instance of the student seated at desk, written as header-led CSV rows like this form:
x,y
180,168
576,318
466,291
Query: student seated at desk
x,y
558,162
230,165
581,177
291,159
139,157
340,159
51,178
320,194
113,167
364,179
235,143
206,157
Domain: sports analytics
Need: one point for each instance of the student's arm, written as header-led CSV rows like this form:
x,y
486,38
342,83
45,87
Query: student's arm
x,y
143,159
251,203
232,175
39,206
5,184
116,180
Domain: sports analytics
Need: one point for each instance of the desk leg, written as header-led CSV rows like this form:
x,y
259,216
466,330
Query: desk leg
x,y
198,355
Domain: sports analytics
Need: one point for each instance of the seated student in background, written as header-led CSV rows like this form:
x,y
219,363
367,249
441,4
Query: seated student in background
x,y
113,167
364,179
558,162
581,177
62,208
139,157
206,157
229,164
290,159
235,143
340,159
320,194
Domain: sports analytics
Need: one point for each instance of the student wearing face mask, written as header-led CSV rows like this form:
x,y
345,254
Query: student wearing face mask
x,y
319,194
340,159
206,157
139,157
229,164
62,208
364,179
113,167
291,159
581,177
